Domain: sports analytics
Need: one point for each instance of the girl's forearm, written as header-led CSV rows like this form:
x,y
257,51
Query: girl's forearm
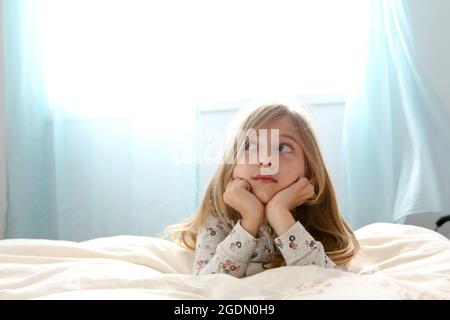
x,y
280,219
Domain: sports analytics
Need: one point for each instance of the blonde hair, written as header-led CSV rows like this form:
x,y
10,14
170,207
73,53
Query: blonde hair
x,y
320,216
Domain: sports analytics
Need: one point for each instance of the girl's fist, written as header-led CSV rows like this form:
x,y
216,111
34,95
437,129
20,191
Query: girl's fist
x,y
238,195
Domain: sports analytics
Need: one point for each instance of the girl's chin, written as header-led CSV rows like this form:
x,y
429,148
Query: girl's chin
x,y
264,197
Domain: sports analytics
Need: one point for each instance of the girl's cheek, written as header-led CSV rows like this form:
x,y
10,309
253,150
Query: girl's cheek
x,y
289,169
234,173
242,159
240,171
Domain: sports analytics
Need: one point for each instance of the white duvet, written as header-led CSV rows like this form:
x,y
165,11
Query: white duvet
x,y
395,262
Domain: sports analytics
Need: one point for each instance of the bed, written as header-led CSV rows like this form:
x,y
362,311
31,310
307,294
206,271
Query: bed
x,y
395,262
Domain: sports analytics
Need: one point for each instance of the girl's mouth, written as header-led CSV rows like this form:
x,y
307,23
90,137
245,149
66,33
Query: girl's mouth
x,y
265,179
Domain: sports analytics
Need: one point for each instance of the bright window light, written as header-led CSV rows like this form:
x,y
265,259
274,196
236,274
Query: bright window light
x,y
106,57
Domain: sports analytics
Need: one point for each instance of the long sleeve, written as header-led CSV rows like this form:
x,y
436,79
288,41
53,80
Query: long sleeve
x,y
299,248
220,252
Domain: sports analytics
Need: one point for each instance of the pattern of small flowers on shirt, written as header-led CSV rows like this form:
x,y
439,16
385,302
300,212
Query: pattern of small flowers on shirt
x,y
201,263
234,246
279,243
211,231
219,251
229,266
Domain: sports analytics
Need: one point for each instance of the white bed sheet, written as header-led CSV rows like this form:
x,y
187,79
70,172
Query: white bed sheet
x,y
395,262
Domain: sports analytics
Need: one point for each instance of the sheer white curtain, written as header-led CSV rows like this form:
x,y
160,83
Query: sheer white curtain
x,y
3,197
396,141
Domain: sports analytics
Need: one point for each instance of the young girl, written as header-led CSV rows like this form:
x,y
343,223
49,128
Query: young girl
x,y
289,217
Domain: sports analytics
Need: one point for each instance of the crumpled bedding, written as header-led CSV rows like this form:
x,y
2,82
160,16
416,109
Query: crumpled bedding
x,y
395,262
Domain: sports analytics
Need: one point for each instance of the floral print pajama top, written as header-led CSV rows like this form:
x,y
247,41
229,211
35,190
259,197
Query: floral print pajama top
x,y
219,251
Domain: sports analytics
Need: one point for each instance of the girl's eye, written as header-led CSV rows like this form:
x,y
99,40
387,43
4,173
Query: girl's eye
x,y
249,146
284,148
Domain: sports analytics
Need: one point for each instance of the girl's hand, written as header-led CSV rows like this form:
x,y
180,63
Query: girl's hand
x,y
278,210
293,195
238,195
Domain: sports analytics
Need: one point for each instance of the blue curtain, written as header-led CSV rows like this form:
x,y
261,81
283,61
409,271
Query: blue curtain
x,y
396,135
125,164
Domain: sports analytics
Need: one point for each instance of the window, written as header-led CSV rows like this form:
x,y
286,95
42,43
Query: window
x,y
108,57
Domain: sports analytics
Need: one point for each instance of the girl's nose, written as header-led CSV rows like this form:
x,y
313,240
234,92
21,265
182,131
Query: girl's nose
x,y
264,164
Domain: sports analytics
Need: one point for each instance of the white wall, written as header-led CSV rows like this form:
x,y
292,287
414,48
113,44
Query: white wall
x,y
431,25
2,136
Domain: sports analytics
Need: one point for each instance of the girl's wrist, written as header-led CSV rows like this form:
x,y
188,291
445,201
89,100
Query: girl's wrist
x,y
273,206
273,210
250,226
280,219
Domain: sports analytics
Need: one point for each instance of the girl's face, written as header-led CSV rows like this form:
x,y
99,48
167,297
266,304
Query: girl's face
x,y
291,164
